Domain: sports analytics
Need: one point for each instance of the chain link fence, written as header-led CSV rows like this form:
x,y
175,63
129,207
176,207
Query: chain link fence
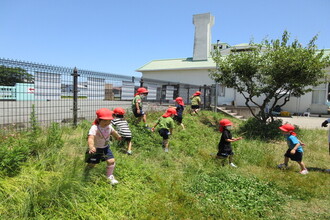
x,y
66,95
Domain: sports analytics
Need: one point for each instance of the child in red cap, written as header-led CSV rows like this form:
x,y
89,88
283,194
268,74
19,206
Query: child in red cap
x,y
195,102
122,127
224,148
137,105
295,150
99,144
166,125
179,107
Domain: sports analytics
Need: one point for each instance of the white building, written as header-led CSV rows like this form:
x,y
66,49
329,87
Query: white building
x,y
195,70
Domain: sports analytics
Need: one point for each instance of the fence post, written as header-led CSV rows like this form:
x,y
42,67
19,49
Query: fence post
x,y
75,96
178,91
215,97
204,92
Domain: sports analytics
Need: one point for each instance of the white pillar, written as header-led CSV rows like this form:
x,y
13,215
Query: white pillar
x,y
202,40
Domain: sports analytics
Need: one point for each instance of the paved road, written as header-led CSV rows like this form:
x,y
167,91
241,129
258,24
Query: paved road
x,y
18,113
313,122
59,110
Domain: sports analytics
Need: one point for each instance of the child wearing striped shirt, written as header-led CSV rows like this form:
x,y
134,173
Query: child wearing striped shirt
x,y
122,127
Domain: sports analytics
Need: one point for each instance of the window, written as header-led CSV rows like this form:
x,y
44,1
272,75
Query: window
x,y
221,90
318,97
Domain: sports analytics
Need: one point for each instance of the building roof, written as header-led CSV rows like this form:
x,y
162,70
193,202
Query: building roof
x,y
326,52
189,63
177,64
242,45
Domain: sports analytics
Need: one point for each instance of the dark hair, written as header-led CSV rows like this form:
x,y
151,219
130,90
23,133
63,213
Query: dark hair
x,y
118,116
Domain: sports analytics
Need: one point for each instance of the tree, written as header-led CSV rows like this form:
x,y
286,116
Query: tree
x,y
9,76
274,70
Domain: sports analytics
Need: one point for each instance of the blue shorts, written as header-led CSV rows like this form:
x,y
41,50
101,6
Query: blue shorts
x,y
125,140
164,133
178,118
225,154
138,115
295,157
101,154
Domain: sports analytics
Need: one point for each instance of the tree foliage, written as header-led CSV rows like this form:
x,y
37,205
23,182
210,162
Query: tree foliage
x,y
9,76
273,70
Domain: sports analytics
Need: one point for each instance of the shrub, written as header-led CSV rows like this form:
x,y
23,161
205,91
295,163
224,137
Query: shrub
x,y
13,153
256,129
54,137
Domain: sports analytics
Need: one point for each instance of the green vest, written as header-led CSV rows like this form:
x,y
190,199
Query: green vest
x,y
165,123
195,100
136,99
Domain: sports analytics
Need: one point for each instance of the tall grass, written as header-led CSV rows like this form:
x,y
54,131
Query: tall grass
x,y
186,183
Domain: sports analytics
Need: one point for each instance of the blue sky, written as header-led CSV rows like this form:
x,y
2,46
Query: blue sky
x,y
121,36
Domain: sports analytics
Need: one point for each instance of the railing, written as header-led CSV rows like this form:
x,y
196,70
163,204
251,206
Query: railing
x,y
66,95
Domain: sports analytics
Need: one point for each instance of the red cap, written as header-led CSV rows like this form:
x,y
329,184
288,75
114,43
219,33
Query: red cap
x,y
179,100
142,90
104,113
223,123
169,112
197,93
287,128
119,111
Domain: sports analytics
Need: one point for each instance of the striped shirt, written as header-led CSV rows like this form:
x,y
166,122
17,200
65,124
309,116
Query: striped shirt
x,y
122,127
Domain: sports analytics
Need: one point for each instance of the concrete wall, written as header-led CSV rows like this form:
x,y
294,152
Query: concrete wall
x,y
195,77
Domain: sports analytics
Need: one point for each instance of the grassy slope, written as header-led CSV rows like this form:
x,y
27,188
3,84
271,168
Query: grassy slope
x,y
186,183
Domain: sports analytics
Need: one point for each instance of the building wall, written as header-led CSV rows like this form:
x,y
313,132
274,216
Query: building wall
x,y
195,77
295,105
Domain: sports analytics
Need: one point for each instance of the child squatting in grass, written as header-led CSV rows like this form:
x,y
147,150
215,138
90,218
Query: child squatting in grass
x,y
99,144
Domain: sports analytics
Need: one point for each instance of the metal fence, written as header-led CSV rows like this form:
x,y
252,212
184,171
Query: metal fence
x,y
66,95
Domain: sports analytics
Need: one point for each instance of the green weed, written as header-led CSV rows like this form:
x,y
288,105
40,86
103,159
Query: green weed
x,y
43,176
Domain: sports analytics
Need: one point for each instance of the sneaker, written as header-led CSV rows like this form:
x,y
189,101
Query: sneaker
x,y
232,165
166,149
304,172
112,179
129,152
147,127
282,166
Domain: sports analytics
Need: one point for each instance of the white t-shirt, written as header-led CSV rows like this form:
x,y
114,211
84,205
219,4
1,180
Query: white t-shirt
x,y
102,135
